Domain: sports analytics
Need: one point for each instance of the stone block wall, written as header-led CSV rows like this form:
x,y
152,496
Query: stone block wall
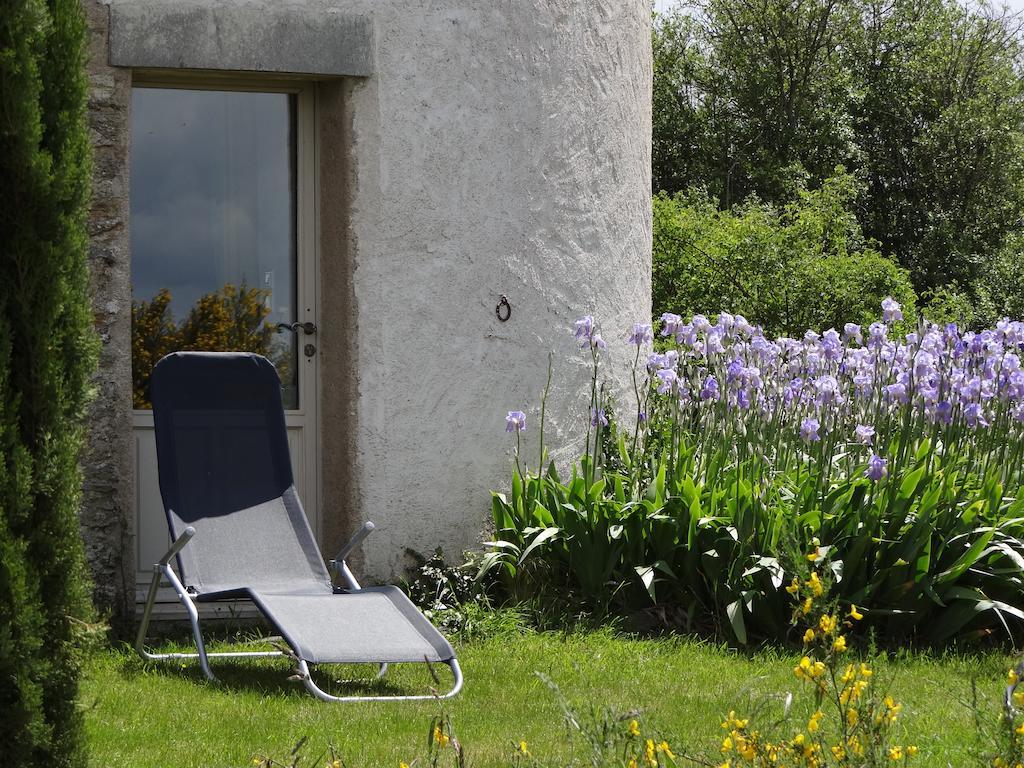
x,y
107,512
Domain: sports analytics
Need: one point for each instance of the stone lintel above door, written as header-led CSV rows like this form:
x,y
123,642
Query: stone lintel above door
x,y
309,41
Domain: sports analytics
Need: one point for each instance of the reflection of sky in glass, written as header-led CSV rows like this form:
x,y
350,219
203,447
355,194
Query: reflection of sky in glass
x,y
212,195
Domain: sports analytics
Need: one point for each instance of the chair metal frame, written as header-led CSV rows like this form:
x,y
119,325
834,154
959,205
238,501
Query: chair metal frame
x,y
162,571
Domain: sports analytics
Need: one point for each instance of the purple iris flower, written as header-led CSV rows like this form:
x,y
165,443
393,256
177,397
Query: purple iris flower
x,y
826,389
877,333
944,412
641,334
975,416
597,342
515,421
832,344
742,398
733,371
668,380
710,389
851,332
877,468
891,311
584,329
924,364
670,323
896,392
809,430
865,434
598,416
685,334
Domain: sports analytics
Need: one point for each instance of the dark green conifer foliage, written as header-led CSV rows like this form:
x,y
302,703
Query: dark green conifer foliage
x,y
47,353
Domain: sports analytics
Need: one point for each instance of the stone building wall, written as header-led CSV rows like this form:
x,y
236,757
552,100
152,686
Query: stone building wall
x,y
468,149
107,513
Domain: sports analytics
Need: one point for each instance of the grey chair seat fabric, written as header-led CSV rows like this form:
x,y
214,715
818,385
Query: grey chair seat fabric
x,y
376,624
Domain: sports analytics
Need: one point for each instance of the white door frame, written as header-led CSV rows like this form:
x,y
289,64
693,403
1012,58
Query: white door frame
x,y
305,419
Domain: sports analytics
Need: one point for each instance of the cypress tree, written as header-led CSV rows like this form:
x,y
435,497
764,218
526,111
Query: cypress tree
x,y
47,353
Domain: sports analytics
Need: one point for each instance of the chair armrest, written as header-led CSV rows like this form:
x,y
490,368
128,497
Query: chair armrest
x,y
179,542
365,530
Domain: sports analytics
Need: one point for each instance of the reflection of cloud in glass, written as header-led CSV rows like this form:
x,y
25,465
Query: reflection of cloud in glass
x,y
212,195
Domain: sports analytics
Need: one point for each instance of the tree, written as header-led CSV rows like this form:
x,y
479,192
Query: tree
x,y
47,353
922,100
940,127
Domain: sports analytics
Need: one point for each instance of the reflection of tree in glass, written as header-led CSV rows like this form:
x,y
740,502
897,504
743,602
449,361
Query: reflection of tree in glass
x,y
232,319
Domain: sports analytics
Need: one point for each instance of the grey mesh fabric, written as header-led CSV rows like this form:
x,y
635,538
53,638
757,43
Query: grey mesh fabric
x,y
222,454
376,624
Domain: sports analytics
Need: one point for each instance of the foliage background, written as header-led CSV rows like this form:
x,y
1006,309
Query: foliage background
x,y
920,100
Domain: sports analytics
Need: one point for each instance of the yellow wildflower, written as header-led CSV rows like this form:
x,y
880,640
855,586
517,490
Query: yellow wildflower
x,y
440,737
1018,698
632,763
839,646
839,752
815,584
663,747
523,750
403,764
257,761
794,586
851,717
865,670
912,751
634,728
808,604
815,722
855,614
799,740
854,745
828,624
649,753
727,744
1019,730
812,556
809,636
895,753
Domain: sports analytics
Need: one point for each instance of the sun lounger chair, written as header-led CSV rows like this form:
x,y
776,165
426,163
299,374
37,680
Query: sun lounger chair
x,y
239,530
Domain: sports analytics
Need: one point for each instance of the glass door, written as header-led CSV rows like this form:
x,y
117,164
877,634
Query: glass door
x,y
222,257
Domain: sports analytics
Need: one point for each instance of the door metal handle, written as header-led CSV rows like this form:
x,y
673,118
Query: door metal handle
x,y
308,328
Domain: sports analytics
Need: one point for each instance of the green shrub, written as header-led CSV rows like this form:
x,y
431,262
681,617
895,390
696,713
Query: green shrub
x,y
805,265
47,352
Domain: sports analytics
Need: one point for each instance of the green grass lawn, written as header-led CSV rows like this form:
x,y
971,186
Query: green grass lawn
x,y
147,715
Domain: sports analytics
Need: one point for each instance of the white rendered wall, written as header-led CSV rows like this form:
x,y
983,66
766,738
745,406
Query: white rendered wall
x,y
500,147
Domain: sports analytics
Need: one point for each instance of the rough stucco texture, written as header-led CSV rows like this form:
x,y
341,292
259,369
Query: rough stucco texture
x,y
501,148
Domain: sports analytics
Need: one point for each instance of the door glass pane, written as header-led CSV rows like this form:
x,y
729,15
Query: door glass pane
x,y
213,228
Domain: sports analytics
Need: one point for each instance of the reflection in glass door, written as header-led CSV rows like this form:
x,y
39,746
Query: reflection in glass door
x,y
222,257
212,228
